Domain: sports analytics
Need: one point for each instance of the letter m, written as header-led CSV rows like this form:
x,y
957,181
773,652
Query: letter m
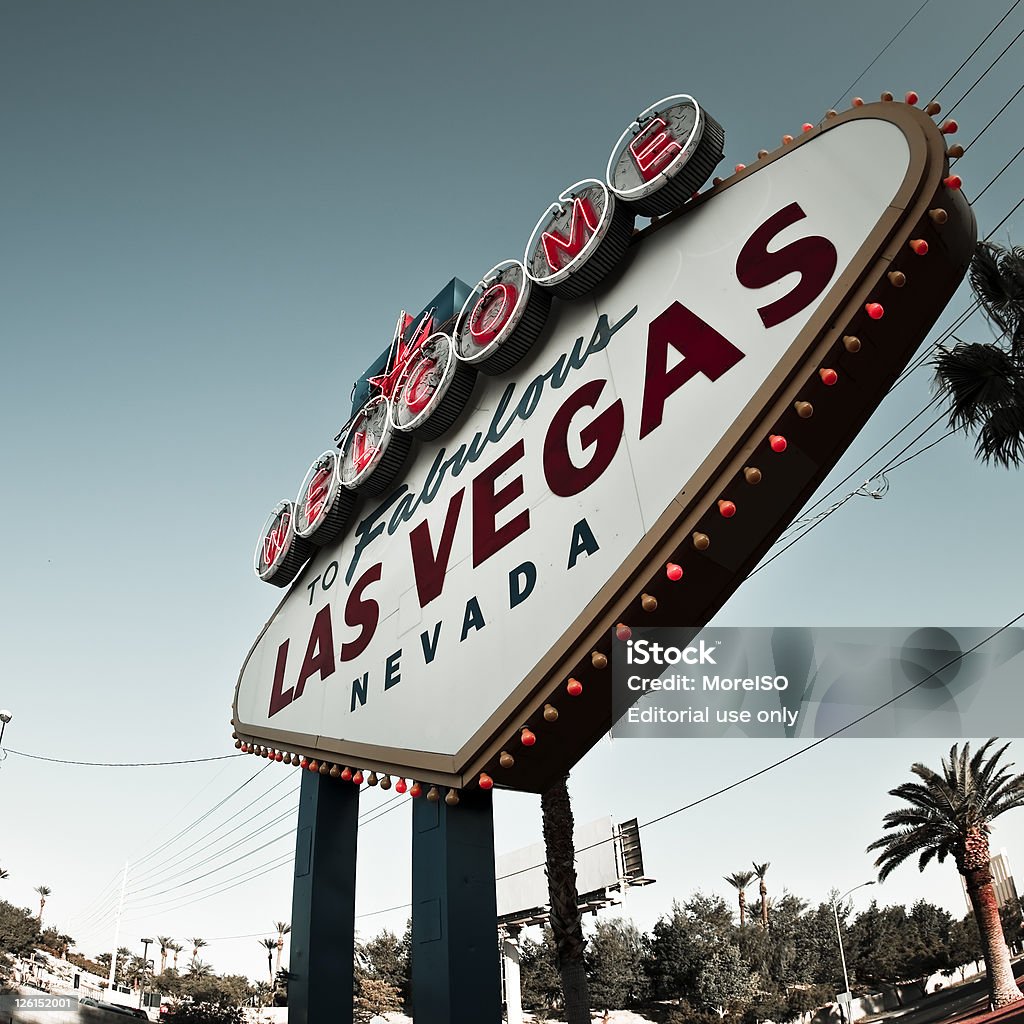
x,y
582,226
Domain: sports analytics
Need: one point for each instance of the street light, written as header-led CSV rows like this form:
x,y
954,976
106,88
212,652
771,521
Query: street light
x,y
5,717
146,943
839,934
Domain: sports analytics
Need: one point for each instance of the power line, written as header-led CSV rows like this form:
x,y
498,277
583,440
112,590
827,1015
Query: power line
x,y
882,51
985,72
975,50
120,764
999,175
172,859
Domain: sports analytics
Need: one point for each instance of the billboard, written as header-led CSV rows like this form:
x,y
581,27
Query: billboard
x,y
623,452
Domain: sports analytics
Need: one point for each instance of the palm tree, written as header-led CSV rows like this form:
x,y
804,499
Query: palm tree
x,y
261,992
197,944
556,811
198,969
3,874
164,942
761,870
121,969
271,945
948,814
283,928
741,879
43,891
985,382
175,948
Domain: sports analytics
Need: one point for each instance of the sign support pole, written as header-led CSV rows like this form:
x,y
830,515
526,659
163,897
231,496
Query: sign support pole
x,y
322,938
456,970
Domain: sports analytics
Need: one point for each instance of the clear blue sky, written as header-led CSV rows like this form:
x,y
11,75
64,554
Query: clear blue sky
x,y
211,214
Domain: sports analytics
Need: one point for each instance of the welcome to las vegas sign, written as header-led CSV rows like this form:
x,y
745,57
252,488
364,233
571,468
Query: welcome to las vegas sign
x,y
451,622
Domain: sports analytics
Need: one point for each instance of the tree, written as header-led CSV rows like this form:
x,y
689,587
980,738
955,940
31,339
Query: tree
x,y
984,383
761,870
197,944
740,880
270,945
615,965
121,966
964,945
18,931
262,991
566,927
723,980
175,948
43,891
386,958
948,814
187,1011
373,999
283,928
164,941
3,874
682,941
538,972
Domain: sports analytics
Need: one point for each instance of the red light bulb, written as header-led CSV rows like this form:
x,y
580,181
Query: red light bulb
x,y
874,310
279,756
400,786
574,687
346,774
726,508
303,762
527,738
358,778
807,126
313,766
857,102
954,182
912,98
674,572
623,632
486,782
778,443
919,246
740,167
415,790
949,127
828,376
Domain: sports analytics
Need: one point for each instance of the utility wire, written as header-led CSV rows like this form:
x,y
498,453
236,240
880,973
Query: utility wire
x,y
949,113
120,764
938,91
882,51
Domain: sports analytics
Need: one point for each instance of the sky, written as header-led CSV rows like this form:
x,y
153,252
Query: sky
x,y
211,214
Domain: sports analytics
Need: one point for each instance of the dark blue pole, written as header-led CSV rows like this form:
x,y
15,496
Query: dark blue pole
x,y
323,902
456,972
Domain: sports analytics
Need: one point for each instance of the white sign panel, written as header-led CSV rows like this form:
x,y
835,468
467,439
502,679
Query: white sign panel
x,y
411,631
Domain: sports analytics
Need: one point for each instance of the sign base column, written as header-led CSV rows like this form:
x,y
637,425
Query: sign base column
x,y
456,970
323,903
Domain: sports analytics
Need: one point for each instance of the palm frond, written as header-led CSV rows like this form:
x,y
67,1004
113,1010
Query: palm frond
x,y
977,379
997,278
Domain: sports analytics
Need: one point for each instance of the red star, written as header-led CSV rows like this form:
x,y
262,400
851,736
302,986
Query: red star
x,y
402,353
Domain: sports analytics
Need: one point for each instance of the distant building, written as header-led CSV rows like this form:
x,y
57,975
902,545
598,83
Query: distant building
x,y
1002,882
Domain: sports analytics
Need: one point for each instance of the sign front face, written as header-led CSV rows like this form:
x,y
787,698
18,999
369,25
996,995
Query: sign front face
x,y
424,639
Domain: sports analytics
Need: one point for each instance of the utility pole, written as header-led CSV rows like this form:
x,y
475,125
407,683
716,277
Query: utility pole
x,y
117,930
145,965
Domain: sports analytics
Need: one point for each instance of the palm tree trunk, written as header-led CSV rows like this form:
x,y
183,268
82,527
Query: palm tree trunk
x,y
743,908
280,947
1002,987
566,926
764,905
